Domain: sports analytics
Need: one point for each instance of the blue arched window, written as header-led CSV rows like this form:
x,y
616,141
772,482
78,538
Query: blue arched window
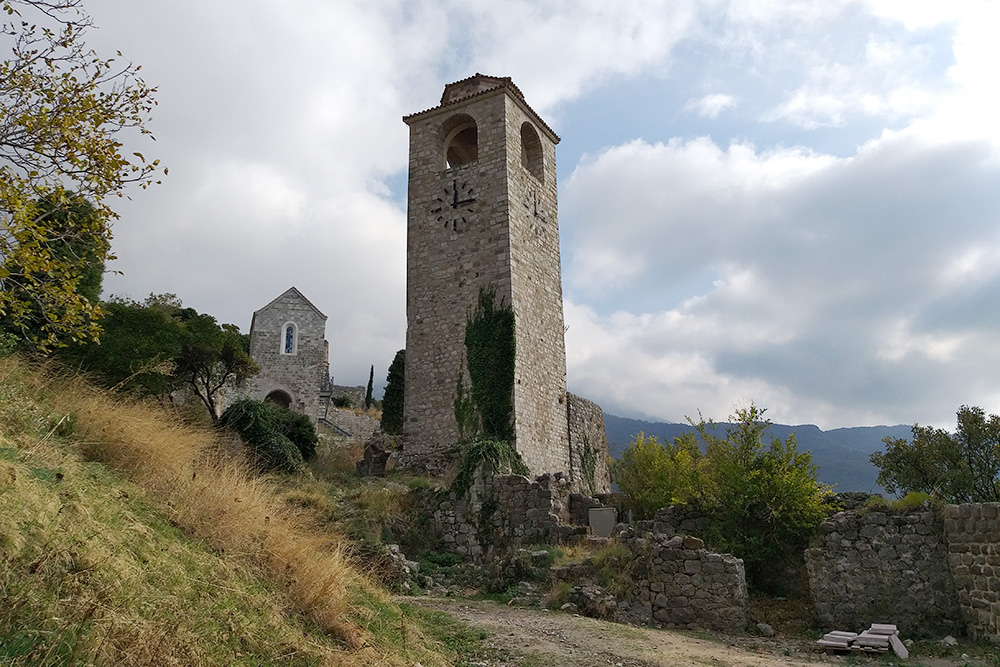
x,y
289,338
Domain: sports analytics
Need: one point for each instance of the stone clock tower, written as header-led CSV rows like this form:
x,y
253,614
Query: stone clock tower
x,y
481,213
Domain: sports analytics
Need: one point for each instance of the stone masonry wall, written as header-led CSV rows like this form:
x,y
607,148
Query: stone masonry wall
x,y
358,426
676,582
972,532
879,567
588,445
683,585
506,510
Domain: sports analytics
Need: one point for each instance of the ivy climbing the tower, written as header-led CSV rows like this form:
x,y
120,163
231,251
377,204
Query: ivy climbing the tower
x,y
485,413
490,350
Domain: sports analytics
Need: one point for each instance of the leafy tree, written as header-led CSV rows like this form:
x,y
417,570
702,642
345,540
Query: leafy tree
x,y
392,401
64,114
959,468
368,394
761,498
211,359
137,350
34,296
764,499
158,346
655,474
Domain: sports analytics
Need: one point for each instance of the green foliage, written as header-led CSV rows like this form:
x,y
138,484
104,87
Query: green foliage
x,y
342,402
498,456
368,393
392,401
297,427
211,359
762,500
34,294
959,468
490,350
63,113
466,414
158,346
269,450
137,350
656,474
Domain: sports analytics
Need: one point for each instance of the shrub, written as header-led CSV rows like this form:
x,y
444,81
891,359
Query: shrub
x,y
269,450
498,454
297,427
656,474
342,402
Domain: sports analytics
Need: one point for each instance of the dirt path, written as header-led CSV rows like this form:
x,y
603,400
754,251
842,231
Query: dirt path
x,y
539,637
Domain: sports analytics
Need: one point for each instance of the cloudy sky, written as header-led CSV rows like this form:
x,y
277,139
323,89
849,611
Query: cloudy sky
x,y
794,203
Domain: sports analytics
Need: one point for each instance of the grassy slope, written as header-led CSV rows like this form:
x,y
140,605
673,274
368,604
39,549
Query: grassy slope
x,y
125,540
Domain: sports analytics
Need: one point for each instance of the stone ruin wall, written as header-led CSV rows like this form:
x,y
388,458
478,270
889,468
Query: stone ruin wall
x,y
352,425
972,532
678,582
683,585
356,395
507,510
928,572
588,440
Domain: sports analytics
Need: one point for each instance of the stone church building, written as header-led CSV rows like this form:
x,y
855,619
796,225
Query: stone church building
x,y
288,342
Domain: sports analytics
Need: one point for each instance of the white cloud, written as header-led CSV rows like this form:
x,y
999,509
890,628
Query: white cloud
x,y
711,105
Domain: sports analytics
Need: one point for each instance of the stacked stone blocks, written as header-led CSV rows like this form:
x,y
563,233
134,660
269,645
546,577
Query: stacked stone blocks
x,y
972,532
930,572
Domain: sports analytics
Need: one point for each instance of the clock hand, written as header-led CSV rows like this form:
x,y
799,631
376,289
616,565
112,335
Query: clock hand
x,y
454,196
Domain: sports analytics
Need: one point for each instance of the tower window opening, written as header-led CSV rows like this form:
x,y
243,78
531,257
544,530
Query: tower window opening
x,y
461,141
531,152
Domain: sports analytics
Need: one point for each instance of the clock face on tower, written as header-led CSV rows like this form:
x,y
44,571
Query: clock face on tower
x,y
454,206
534,206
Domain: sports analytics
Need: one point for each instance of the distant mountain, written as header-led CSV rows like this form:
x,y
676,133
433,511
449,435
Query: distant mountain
x,y
841,453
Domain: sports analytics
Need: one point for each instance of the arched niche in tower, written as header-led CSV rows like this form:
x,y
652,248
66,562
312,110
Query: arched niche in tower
x,y
461,140
531,151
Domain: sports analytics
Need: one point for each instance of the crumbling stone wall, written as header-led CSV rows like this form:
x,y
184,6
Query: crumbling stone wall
x,y
972,532
683,585
358,426
876,567
675,582
502,511
588,443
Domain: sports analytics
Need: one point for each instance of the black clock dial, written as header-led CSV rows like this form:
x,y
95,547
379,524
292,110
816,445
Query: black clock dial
x,y
534,206
454,205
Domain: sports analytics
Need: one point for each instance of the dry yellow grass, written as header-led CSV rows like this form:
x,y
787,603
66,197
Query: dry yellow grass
x,y
216,498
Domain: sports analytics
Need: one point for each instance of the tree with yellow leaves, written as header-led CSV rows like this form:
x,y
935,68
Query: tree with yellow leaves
x,y
65,112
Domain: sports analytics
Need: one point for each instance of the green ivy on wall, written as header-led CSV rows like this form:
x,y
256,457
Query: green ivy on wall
x,y
485,413
490,350
466,413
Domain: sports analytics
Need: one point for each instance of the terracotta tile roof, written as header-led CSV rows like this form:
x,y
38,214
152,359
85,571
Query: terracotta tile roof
x,y
488,84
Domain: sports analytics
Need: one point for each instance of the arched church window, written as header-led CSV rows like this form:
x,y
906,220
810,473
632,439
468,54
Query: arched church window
x,y
531,151
461,141
289,338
